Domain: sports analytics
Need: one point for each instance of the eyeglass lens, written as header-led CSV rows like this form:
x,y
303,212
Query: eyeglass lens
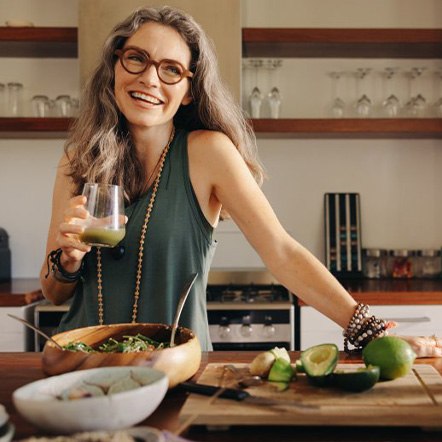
x,y
136,62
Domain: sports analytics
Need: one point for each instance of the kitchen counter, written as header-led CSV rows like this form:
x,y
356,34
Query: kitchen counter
x,y
17,369
19,292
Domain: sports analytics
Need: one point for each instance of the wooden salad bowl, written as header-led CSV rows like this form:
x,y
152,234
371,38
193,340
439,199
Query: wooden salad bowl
x,y
179,363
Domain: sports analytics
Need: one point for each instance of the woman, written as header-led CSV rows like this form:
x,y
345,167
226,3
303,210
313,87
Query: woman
x,y
157,120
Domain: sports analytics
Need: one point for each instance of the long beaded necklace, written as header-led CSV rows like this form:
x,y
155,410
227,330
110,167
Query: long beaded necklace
x,y
141,247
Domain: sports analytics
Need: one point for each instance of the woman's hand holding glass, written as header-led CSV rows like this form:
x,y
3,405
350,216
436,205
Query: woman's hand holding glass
x,y
69,232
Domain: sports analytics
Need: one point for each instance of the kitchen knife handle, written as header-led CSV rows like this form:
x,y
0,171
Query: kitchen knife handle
x,y
210,390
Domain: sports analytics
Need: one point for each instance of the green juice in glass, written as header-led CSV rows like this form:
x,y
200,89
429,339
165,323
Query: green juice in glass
x,y
97,236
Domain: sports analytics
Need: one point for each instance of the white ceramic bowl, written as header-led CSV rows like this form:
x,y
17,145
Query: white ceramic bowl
x,y
38,401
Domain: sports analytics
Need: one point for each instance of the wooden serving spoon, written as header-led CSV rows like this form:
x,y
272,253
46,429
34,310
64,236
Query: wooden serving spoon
x,y
42,333
182,299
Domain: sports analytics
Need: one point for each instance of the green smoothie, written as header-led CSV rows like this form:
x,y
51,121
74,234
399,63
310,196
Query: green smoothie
x,y
96,236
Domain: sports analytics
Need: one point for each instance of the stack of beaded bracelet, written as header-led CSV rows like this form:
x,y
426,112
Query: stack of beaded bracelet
x,y
362,328
59,273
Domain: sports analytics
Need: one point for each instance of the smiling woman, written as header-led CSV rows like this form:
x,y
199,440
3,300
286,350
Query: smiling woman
x,y
157,120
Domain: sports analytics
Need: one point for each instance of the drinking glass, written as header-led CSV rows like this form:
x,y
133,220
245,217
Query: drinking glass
x,y
391,105
363,105
63,105
255,98
15,99
417,104
274,96
105,225
2,99
438,102
337,108
40,105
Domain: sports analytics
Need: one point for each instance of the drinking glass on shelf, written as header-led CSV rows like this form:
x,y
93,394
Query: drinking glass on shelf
x,y
15,99
255,98
417,104
274,96
391,105
2,99
63,105
363,105
438,103
40,105
337,107
105,225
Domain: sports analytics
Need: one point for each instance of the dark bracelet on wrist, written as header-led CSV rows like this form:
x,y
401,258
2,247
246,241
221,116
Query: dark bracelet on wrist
x,y
57,270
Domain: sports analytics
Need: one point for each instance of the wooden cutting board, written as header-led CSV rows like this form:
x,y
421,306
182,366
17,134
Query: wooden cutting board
x,y
413,400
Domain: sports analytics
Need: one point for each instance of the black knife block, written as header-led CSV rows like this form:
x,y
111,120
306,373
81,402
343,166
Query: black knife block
x,y
343,244
5,257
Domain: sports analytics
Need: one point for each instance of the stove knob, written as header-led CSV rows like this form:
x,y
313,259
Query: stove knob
x,y
268,329
246,327
224,328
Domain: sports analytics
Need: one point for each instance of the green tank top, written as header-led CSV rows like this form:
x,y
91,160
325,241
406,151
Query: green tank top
x,y
178,242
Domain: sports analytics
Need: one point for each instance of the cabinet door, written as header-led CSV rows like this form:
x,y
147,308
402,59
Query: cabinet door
x,y
14,335
412,320
220,20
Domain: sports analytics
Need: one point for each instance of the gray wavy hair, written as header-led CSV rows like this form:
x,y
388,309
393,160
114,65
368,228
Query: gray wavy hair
x,y
99,147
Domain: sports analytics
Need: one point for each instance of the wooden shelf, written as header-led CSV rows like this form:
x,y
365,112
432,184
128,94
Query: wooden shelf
x,y
38,42
348,128
342,43
28,127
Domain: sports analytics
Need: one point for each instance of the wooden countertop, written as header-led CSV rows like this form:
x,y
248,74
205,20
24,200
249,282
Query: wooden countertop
x,y
17,369
20,292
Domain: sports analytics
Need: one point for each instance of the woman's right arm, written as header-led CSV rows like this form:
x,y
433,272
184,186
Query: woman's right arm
x,y
63,233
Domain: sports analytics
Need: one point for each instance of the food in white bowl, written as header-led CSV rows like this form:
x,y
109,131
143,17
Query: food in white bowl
x,y
107,398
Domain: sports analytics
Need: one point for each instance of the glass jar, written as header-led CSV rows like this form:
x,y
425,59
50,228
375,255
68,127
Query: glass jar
x,y
429,264
401,263
15,99
374,263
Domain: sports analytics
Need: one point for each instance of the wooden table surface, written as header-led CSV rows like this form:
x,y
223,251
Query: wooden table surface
x,y
17,369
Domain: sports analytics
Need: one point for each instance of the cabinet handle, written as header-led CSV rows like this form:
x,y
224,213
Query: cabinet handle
x,y
415,319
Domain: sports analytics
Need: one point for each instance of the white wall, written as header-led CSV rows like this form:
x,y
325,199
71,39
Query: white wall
x,y
399,180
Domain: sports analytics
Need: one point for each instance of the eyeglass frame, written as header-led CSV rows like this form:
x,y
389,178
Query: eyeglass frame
x,y
186,73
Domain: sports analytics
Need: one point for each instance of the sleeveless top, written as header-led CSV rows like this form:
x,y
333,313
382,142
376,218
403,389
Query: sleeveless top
x,y
178,242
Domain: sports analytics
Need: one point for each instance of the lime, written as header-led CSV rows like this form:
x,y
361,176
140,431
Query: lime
x,y
358,380
391,354
281,371
320,360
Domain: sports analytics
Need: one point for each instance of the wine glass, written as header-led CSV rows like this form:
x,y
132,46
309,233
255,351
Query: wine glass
x,y
337,108
274,96
391,105
438,103
255,98
417,104
105,225
363,105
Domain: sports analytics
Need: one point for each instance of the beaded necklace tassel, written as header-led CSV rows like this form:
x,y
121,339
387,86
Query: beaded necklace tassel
x,y
141,246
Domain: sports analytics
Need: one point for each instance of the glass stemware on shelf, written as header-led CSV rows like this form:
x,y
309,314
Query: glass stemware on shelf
x,y
274,95
255,97
417,104
391,105
363,105
438,103
337,107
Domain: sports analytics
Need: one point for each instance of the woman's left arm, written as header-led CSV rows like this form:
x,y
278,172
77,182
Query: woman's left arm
x,y
232,184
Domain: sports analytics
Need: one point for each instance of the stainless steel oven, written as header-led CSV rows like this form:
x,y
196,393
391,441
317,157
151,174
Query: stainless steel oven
x,y
247,310
250,310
